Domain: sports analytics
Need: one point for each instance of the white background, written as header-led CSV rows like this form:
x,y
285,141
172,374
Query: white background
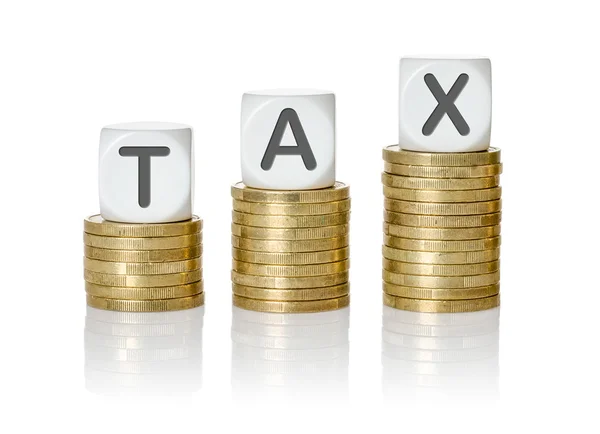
x,y
68,68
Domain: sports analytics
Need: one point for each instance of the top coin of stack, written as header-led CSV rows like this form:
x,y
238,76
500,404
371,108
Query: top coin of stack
x,y
143,267
441,230
290,249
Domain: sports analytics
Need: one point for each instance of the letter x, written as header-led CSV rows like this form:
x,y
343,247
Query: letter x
x,y
446,105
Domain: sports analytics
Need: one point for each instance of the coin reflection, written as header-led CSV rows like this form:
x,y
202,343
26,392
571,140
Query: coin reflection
x,y
148,353
289,354
440,353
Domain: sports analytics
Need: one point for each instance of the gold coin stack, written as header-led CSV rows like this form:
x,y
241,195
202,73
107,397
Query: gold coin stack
x,y
442,215
290,249
143,267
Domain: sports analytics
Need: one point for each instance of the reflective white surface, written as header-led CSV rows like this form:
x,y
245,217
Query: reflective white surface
x,y
289,355
143,353
429,355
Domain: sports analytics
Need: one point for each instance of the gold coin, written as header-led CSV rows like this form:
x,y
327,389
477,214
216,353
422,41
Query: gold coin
x,y
441,293
142,281
440,269
397,181
446,221
441,306
291,306
442,245
297,258
119,243
441,282
289,233
290,270
289,246
146,305
451,196
440,257
156,293
339,191
393,154
164,255
140,267
292,209
289,282
279,221
96,225
453,209
441,233
444,172
292,294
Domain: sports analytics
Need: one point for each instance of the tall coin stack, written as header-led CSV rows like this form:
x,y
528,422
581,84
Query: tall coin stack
x,y
441,230
143,267
290,249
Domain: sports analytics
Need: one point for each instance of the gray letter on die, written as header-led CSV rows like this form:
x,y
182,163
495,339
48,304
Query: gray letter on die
x,y
144,154
288,116
446,105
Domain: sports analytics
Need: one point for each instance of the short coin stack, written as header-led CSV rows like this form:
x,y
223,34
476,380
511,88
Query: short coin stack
x,y
143,267
290,249
441,230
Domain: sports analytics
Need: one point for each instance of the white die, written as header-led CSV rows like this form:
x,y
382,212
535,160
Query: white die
x,y
462,122
288,139
146,172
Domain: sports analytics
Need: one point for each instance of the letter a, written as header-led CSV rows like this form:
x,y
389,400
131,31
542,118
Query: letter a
x,y
302,148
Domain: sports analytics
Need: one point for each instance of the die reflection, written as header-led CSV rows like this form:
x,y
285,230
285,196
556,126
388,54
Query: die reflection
x,y
289,355
143,353
445,354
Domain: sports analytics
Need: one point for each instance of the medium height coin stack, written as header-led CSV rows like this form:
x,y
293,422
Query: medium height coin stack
x,y
441,230
143,267
290,249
